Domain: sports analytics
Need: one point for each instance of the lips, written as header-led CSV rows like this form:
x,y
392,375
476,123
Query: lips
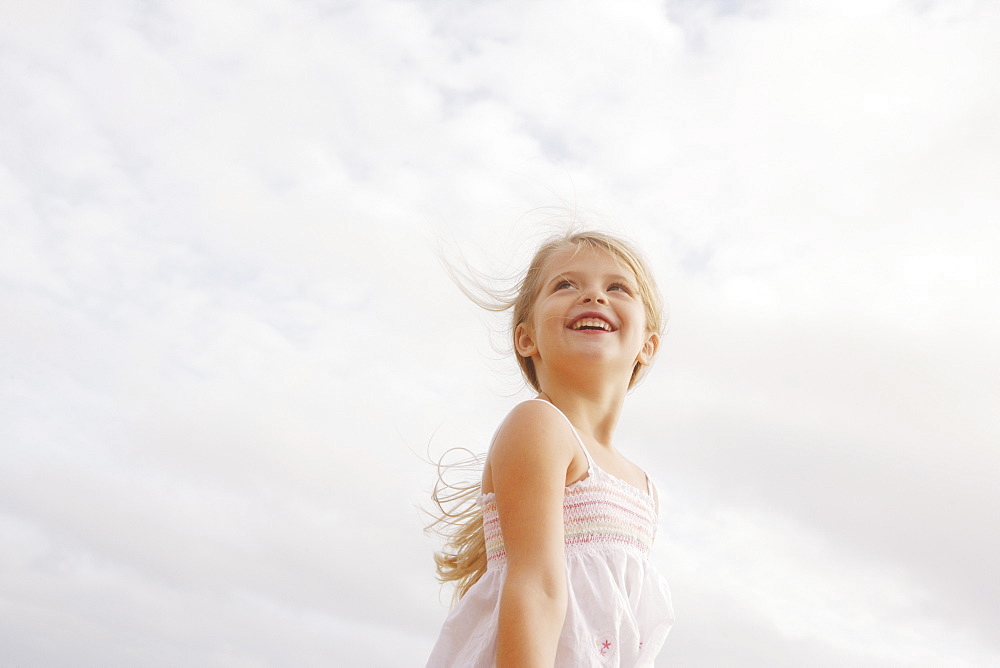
x,y
591,321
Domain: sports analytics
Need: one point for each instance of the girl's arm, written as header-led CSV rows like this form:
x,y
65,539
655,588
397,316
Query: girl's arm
x,y
528,464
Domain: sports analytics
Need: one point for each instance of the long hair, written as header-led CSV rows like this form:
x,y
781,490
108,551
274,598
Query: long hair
x,y
459,518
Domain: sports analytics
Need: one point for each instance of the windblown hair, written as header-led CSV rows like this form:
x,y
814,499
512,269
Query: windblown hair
x,y
459,518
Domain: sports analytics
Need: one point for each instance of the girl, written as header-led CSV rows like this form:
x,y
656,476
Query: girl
x,y
551,563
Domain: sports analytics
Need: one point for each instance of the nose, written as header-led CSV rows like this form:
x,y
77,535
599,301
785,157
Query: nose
x,y
593,295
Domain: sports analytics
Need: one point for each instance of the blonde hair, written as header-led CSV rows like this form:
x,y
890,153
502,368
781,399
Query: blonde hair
x,y
459,518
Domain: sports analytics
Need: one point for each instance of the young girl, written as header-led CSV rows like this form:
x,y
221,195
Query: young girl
x,y
552,562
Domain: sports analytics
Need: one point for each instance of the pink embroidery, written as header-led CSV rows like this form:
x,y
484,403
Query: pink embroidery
x,y
599,513
605,646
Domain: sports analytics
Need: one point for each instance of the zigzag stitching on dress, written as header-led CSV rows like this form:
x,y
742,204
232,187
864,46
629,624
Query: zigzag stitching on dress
x,y
584,505
607,525
617,486
597,514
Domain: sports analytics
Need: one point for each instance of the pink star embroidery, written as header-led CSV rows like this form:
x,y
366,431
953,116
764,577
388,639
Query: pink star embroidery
x,y
606,645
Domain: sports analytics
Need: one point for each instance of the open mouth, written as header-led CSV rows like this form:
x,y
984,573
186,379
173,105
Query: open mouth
x,y
593,324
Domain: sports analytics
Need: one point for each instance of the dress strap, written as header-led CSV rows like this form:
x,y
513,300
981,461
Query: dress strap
x,y
590,460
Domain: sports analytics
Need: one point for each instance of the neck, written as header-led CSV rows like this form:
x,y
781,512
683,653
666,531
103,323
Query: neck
x,y
593,407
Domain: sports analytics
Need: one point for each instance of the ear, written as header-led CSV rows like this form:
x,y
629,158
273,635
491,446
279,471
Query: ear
x,y
649,349
524,343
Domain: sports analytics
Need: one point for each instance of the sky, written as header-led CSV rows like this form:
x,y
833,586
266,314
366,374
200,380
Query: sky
x,y
229,350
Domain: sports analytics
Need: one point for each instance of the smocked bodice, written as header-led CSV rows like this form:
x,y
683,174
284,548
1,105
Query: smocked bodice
x,y
600,512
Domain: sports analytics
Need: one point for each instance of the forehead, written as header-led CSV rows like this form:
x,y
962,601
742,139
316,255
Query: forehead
x,y
585,259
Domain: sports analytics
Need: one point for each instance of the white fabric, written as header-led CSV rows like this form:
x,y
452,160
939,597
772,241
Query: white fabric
x,y
618,609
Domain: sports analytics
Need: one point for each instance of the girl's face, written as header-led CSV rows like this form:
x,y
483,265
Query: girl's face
x,y
588,309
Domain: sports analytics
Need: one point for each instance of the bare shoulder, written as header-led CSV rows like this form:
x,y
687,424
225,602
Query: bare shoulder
x,y
534,425
533,435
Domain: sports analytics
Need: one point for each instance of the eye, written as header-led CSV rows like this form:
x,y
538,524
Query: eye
x,y
620,286
563,284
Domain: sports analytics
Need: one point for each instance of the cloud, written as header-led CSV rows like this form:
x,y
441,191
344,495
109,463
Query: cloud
x,y
227,343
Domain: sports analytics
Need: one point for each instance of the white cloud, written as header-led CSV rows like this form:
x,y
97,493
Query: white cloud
x,y
226,341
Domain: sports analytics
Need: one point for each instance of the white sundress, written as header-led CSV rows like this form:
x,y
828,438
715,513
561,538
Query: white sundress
x,y
618,610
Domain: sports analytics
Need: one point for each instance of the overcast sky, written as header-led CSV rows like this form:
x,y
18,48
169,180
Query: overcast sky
x,y
227,347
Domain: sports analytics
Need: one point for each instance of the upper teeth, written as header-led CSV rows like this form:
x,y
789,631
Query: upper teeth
x,y
592,322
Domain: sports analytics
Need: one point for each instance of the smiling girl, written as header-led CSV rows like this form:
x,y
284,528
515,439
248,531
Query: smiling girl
x,y
552,560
